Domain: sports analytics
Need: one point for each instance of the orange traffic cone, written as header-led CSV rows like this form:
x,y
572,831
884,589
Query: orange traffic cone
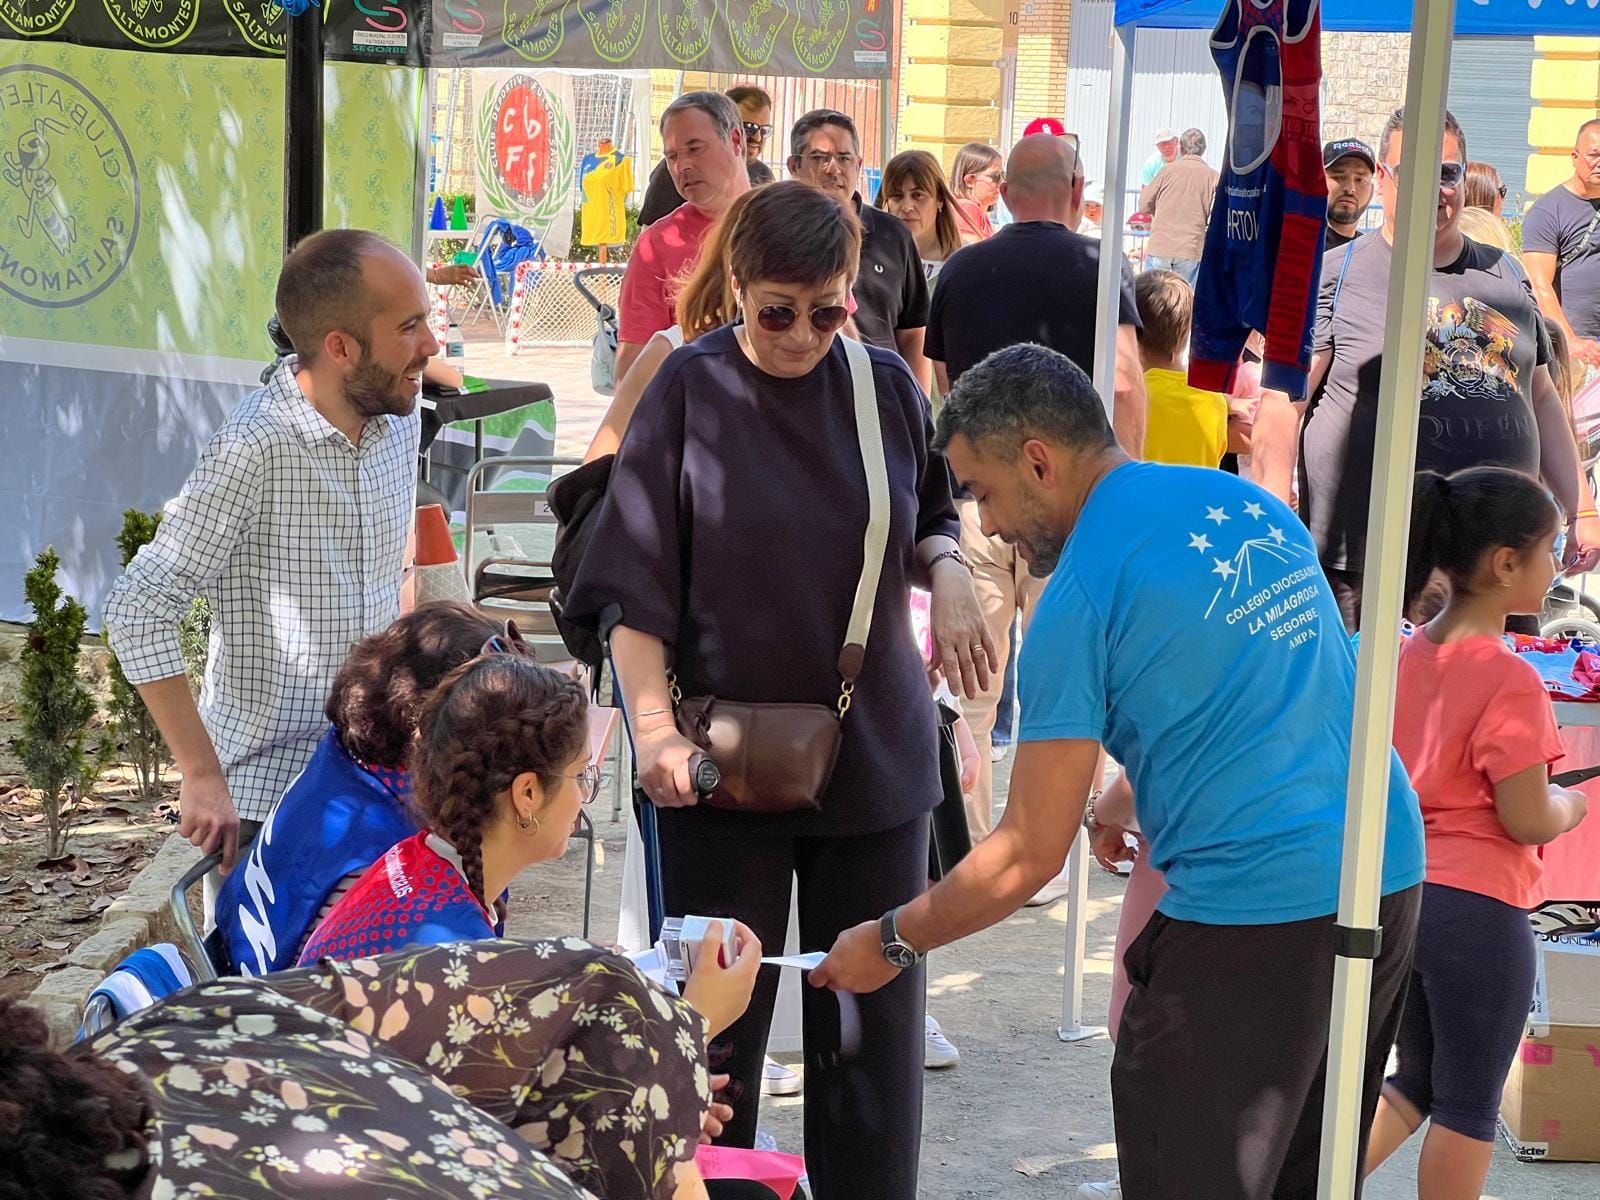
x,y
434,572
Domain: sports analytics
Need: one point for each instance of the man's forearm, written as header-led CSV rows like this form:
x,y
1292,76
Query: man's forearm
x,y
1274,442
990,884
1550,306
172,705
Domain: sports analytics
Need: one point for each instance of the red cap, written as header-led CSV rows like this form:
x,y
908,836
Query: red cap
x,y
1045,125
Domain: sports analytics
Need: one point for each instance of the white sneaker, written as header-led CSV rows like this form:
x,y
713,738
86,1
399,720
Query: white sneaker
x,y
997,751
779,1080
1050,892
1109,1190
938,1052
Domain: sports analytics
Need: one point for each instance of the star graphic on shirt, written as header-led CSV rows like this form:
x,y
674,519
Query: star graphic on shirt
x,y
1215,514
1224,568
1254,510
1200,542
1276,534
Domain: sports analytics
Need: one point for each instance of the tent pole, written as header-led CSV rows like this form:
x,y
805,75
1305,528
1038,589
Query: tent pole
x,y
1114,214
1389,521
302,127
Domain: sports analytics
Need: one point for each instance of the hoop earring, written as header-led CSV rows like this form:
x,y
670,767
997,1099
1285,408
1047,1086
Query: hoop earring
x,y
531,825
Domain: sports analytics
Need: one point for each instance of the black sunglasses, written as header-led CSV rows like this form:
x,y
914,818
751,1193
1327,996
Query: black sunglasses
x,y
775,318
761,131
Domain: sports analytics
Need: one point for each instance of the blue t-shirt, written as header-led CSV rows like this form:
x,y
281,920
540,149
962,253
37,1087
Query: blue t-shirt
x,y
1189,628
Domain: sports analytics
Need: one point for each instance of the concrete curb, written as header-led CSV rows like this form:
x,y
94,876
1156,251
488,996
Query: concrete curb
x,y
139,917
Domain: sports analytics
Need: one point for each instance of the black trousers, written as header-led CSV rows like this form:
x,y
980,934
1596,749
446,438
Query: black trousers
x,y
1221,1059
863,1107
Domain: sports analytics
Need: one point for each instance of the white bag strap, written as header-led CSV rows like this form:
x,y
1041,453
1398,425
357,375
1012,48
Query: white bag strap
x,y
870,434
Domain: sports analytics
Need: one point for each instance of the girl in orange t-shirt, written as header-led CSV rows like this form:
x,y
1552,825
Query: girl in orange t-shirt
x,y
1476,732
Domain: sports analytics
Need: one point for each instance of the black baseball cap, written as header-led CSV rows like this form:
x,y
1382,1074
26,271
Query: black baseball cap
x,y
1346,148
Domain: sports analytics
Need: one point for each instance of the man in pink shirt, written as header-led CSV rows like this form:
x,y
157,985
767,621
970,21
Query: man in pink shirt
x,y
703,141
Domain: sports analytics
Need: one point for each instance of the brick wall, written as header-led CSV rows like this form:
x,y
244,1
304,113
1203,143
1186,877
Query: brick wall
x,y
1364,81
1040,88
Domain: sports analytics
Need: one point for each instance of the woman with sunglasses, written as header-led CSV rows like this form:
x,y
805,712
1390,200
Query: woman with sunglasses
x,y
730,547
975,177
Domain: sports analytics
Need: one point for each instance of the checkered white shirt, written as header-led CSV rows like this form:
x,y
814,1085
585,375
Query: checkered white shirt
x,y
295,536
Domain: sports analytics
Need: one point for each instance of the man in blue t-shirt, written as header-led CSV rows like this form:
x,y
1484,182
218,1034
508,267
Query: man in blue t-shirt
x,y
1188,629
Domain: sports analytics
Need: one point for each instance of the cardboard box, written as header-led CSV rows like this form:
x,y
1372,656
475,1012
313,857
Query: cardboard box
x,y
1550,1109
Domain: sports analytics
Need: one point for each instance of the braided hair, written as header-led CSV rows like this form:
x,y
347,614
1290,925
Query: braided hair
x,y
488,721
62,1115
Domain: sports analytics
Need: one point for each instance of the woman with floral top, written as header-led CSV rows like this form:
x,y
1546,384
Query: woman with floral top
x,y
544,1070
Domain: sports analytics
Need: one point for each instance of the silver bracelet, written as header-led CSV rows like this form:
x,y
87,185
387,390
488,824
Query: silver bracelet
x,y
652,712
1089,821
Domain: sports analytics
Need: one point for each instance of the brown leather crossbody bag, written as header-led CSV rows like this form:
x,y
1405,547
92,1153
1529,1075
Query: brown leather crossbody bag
x,y
778,758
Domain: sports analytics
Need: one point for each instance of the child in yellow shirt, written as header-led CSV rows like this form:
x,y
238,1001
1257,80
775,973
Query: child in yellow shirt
x,y
1185,426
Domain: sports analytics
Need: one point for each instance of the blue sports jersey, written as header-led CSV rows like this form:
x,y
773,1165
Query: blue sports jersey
x,y
414,895
335,819
1188,627
1263,249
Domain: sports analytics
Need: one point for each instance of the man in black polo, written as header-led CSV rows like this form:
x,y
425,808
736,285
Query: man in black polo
x,y
1034,281
891,291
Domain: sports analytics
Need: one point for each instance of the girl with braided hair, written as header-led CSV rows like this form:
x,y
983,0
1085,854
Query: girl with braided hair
x,y
499,771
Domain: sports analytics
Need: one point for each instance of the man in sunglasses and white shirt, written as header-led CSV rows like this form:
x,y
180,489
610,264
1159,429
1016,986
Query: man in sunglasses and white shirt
x,y
1487,396
891,288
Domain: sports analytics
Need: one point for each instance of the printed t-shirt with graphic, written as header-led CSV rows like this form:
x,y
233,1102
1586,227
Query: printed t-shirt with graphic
x,y
338,815
1485,338
415,894
1469,715
1184,426
1568,226
662,259
1189,630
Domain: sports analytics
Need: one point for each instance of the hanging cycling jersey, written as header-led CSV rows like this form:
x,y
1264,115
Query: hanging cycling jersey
x,y
1263,248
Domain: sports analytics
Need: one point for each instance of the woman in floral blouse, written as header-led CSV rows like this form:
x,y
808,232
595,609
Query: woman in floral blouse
x,y
545,1070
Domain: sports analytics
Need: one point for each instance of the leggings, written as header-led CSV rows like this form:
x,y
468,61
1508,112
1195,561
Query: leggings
x,y
1471,984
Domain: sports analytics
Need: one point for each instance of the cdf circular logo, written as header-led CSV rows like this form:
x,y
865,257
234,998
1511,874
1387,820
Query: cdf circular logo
x,y
522,138
69,191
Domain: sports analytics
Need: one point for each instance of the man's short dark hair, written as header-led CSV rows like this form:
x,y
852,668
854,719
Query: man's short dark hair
x,y
1166,310
724,114
1591,123
1192,142
321,288
748,93
1397,119
800,135
1022,392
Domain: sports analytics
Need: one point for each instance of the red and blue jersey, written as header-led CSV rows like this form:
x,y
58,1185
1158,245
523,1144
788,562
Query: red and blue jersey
x,y
415,894
1263,249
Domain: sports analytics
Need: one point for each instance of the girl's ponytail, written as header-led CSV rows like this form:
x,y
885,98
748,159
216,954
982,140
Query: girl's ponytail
x,y
1456,521
1431,527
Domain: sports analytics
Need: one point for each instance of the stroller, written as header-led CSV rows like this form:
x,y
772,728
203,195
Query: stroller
x,y
603,359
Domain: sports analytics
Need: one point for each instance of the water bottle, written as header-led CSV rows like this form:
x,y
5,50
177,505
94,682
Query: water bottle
x,y
455,346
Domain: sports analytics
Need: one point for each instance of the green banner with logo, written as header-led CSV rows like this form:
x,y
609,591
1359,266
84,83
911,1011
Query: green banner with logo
x,y
141,195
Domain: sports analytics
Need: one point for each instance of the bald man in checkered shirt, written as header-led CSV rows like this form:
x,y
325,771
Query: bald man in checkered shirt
x,y
292,525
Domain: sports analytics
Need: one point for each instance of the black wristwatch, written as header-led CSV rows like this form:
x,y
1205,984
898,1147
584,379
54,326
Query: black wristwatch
x,y
900,955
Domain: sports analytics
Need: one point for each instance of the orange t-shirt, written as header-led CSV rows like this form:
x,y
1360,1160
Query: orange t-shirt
x,y
1468,715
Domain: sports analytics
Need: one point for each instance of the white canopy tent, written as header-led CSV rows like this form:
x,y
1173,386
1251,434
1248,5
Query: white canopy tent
x,y
1433,24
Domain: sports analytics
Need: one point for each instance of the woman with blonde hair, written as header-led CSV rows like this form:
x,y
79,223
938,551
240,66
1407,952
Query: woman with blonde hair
x,y
914,190
975,180
705,302
1481,225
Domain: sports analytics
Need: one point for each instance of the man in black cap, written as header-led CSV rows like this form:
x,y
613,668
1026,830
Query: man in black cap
x,y
1350,167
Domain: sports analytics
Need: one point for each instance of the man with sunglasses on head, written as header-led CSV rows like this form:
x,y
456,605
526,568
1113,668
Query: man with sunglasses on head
x,y
891,289
1561,249
1487,396
755,116
703,141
